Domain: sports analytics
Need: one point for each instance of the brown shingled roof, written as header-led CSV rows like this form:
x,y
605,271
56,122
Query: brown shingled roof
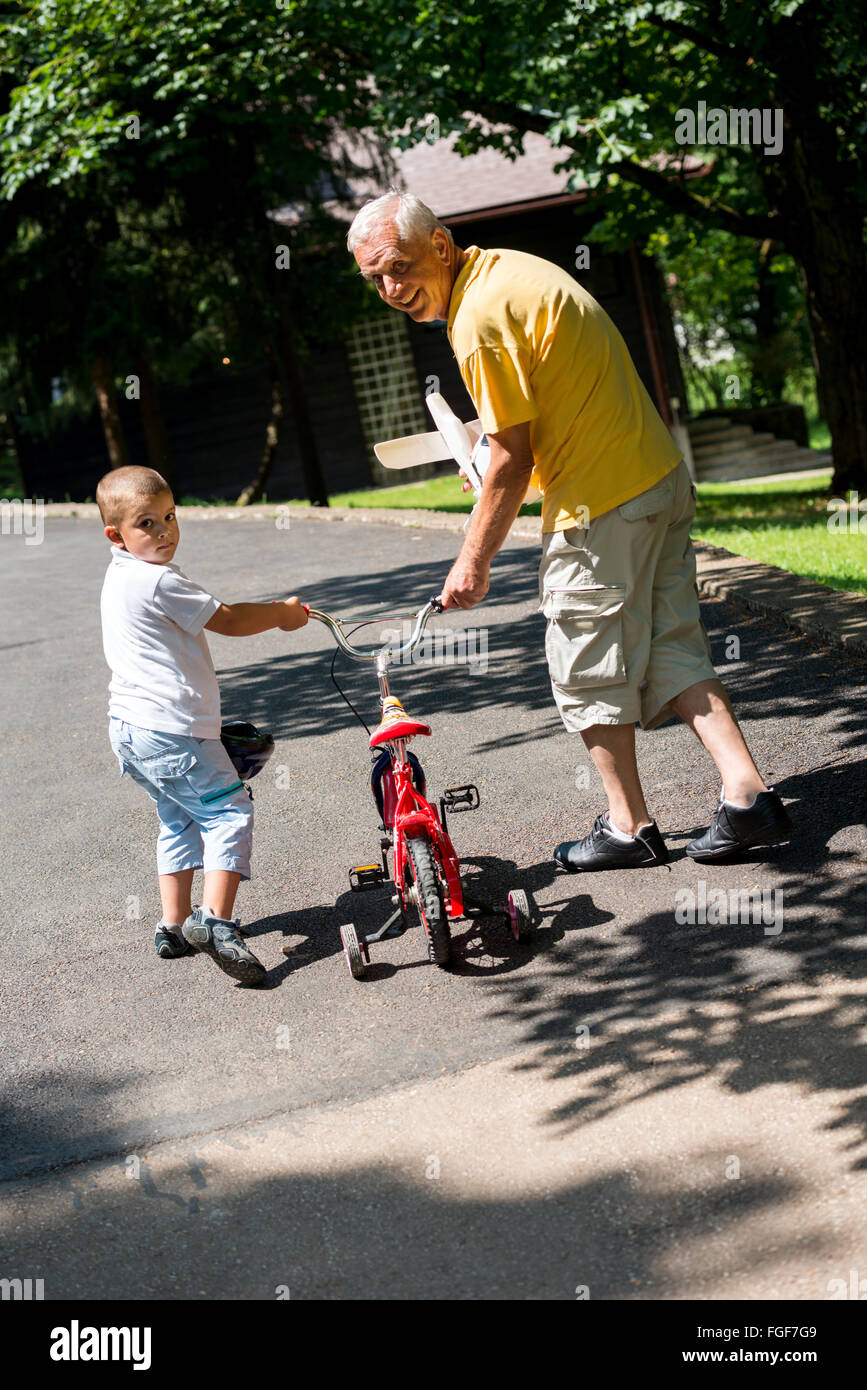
x,y
453,186
459,188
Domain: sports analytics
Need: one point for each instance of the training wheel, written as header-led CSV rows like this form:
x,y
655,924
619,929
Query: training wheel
x,y
519,914
352,952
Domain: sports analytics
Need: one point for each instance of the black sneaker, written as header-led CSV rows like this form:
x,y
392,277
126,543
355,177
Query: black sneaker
x,y
602,850
168,943
735,828
218,937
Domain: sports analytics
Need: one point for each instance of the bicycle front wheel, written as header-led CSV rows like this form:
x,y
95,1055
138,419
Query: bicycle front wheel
x,y
429,899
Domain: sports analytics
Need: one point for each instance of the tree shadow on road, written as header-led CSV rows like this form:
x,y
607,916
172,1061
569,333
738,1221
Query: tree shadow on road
x,y
779,682
377,1230
294,694
752,1003
482,942
664,1002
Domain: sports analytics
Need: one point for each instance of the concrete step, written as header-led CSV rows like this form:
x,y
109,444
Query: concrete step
x,y
725,433
776,448
723,451
745,454
708,425
723,445
803,458
807,460
777,463
772,449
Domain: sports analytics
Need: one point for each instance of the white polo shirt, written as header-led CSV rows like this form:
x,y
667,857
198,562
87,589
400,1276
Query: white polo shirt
x,y
152,634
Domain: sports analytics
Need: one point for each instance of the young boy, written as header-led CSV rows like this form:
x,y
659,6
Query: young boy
x,y
164,715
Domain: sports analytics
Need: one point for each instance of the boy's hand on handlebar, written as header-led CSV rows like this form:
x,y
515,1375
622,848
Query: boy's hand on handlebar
x,y
294,614
466,584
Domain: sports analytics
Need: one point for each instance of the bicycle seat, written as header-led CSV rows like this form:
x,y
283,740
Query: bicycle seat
x,y
396,723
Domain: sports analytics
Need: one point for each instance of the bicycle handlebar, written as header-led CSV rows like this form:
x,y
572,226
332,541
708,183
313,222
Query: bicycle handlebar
x,y
382,655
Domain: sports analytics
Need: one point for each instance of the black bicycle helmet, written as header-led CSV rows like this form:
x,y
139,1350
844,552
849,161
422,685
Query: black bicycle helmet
x,y
247,746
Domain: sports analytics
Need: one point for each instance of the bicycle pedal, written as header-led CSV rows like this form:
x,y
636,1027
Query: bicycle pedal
x,y
461,798
366,876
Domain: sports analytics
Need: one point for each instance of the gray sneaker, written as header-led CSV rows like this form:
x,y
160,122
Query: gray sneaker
x,y
168,942
219,938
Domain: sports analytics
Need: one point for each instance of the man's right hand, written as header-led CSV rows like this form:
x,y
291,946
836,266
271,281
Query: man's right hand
x,y
294,614
467,582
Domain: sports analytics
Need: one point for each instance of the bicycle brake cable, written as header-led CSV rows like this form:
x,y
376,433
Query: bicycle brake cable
x,y
342,695
365,622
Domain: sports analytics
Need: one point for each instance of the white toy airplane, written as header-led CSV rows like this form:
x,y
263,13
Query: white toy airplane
x,y
465,443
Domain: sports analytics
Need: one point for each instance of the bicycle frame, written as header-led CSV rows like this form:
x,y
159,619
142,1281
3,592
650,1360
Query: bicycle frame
x,y
413,813
408,816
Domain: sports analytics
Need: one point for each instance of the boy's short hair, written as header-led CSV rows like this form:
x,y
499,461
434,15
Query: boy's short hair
x,y
117,490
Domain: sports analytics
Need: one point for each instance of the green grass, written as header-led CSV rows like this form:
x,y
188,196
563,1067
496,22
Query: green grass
x,y
442,494
819,434
784,524
780,523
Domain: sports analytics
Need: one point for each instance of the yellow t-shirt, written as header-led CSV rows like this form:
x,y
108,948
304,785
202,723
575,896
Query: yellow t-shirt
x,y
531,344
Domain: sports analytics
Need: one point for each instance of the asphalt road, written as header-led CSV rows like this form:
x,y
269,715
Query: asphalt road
x,y
109,1050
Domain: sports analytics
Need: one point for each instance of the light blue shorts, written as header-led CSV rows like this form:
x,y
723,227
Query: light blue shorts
x,y
206,813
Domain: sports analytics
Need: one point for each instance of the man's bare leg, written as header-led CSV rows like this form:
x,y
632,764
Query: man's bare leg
x,y
612,748
706,709
627,838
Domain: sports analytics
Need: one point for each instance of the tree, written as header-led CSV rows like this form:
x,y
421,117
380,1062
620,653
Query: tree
x,y
201,118
607,81
615,85
734,299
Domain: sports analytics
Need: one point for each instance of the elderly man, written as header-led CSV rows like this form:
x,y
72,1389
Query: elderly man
x,y
563,407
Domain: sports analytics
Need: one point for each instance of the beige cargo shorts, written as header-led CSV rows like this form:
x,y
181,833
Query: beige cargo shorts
x,y
624,633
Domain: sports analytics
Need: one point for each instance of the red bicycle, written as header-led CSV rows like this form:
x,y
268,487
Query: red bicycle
x,y
425,872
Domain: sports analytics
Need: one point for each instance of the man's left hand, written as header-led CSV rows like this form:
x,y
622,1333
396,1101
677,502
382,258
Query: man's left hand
x,y
467,583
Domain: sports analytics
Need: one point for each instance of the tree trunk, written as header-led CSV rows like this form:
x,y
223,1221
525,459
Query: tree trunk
x,y
836,294
767,353
816,192
267,292
106,395
152,419
817,371
253,491
294,391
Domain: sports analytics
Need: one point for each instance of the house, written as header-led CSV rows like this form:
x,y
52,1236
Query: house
x,y
487,200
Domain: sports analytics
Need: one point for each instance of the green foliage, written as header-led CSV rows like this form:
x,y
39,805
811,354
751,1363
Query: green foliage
x,y
141,146
140,152
183,68
10,477
739,309
606,82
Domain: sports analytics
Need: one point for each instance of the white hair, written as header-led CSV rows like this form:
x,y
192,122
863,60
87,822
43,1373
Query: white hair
x,y
413,219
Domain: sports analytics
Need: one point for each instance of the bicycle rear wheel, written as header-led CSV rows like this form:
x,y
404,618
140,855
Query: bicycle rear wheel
x,y
430,902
